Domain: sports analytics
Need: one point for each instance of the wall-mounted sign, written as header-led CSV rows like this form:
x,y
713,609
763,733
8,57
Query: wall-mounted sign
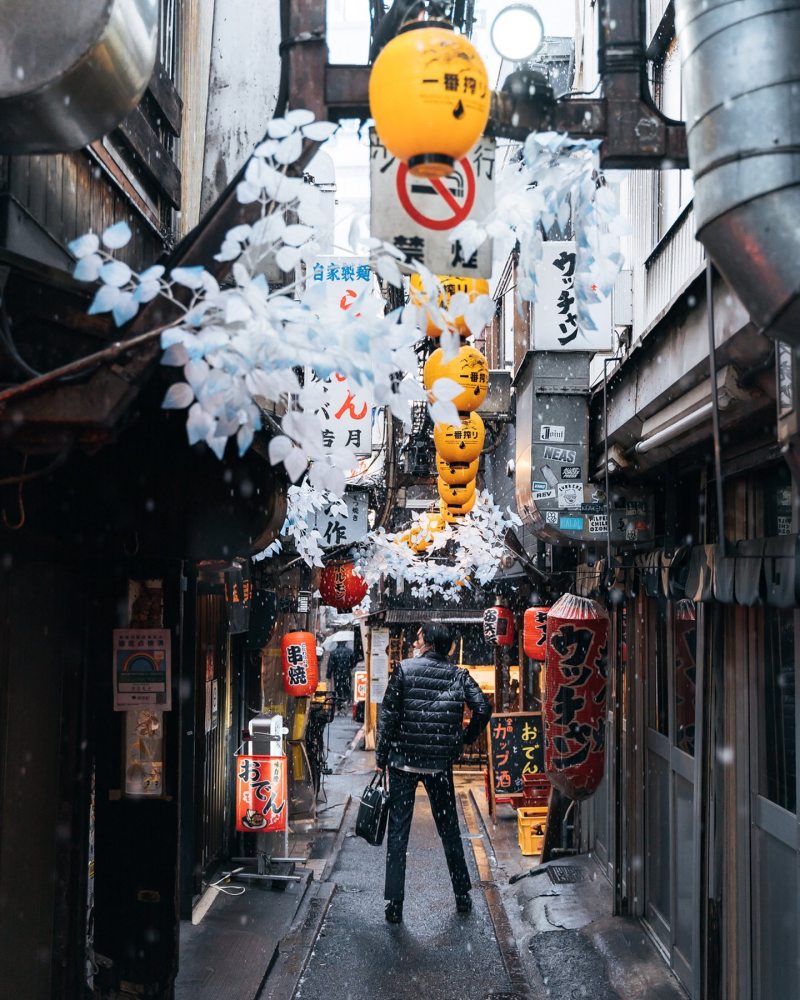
x,y
379,664
260,793
555,314
418,214
142,668
344,527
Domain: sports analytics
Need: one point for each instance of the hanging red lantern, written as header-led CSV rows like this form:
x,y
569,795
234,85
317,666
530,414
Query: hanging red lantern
x,y
260,793
498,625
575,695
341,587
534,632
299,659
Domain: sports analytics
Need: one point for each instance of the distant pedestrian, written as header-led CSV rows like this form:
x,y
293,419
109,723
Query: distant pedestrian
x,y
420,735
340,669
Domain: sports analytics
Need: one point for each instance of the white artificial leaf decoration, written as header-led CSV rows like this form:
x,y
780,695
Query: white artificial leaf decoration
x,y
104,300
289,149
446,388
190,277
389,271
114,272
279,447
319,131
84,245
125,308
297,234
287,258
246,193
178,397
299,117
175,356
88,267
117,236
295,464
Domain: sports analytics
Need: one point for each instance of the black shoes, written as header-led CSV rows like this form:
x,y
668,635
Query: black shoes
x,y
394,911
463,904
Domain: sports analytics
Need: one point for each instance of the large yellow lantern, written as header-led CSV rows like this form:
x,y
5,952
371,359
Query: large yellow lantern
x,y
429,95
451,512
451,285
469,368
461,442
455,495
456,473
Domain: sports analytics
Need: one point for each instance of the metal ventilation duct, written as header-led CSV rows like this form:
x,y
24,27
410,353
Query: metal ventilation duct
x,y
741,78
70,72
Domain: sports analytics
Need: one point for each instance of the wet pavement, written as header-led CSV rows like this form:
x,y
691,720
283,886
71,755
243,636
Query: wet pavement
x,y
435,953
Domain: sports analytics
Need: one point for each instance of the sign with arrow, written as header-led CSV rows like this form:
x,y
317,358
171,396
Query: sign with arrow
x,y
418,214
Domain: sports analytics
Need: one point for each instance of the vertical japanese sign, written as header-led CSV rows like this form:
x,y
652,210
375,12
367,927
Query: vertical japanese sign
x,y
360,682
555,314
142,668
418,214
347,411
516,748
379,664
344,527
260,793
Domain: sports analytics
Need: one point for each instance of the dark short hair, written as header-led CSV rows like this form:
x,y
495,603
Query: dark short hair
x,y
437,635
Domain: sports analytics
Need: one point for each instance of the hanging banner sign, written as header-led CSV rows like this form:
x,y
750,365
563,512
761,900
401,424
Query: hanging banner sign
x,y
379,665
344,527
260,794
555,314
418,214
142,668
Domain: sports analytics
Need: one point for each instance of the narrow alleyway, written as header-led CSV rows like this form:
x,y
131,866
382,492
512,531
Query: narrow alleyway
x,y
435,952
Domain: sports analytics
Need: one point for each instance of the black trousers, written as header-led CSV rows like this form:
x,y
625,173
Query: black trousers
x,y
442,796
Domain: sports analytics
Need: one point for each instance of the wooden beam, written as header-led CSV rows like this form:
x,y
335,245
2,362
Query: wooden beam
x,y
163,92
347,91
151,154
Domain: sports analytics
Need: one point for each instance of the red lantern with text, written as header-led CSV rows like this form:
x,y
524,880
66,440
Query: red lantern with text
x,y
260,793
498,626
534,632
299,659
341,587
575,695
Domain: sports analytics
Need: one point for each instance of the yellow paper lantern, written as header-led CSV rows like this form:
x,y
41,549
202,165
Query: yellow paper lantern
x,y
469,368
451,284
455,495
456,473
429,95
461,442
451,512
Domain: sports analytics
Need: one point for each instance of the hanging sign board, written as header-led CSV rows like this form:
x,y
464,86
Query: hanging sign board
x,y
418,214
379,664
344,527
260,793
142,668
555,314
516,748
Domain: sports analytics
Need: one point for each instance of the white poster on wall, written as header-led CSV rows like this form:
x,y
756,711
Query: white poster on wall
x,y
379,665
555,314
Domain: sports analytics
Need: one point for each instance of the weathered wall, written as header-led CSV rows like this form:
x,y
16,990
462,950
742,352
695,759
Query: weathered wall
x,y
242,89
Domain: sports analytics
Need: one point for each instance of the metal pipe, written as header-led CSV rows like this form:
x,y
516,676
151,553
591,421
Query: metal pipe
x,y
677,428
740,76
712,361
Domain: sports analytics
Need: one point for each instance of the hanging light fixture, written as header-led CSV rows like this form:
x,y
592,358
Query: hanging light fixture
x,y
498,624
429,95
299,661
469,368
462,442
517,32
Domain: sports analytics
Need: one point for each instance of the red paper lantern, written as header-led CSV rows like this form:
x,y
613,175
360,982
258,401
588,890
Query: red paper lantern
x,y
498,626
299,659
534,632
575,695
260,793
341,587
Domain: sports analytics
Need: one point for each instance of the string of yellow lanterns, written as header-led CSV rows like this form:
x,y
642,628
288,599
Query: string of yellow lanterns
x,y
429,97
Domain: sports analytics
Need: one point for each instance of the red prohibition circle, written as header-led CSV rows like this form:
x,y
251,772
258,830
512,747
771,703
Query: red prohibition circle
x,y
460,212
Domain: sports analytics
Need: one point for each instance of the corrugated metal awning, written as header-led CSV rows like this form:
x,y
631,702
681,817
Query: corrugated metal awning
x,y
408,616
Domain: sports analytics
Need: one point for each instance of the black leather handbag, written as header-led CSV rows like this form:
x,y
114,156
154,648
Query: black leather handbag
x,y
373,811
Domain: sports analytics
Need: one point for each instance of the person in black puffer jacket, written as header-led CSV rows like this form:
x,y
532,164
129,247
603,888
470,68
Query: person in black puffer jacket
x,y
420,735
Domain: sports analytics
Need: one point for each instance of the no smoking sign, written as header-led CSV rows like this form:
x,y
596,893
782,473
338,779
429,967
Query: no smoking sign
x,y
418,214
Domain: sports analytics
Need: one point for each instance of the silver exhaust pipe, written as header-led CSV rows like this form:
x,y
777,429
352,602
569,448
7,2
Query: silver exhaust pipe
x,y
741,74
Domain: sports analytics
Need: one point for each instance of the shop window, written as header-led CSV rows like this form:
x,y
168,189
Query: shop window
x,y
778,750
657,667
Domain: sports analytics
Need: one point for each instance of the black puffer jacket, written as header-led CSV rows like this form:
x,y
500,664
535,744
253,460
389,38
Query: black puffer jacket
x,y
420,718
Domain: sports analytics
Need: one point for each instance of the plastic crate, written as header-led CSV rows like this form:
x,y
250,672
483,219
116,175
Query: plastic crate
x,y
531,827
535,790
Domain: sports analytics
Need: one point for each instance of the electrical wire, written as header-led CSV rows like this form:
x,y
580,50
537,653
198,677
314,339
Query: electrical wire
x,y
230,890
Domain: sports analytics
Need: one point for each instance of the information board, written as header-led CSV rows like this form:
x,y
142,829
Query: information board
x,y
516,748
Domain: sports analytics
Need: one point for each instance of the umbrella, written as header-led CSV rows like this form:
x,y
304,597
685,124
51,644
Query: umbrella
x,y
345,635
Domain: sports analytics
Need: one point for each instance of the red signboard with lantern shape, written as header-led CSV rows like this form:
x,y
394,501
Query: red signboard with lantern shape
x,y
341,587
575,695
299,660
498,626
534,632
260,793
